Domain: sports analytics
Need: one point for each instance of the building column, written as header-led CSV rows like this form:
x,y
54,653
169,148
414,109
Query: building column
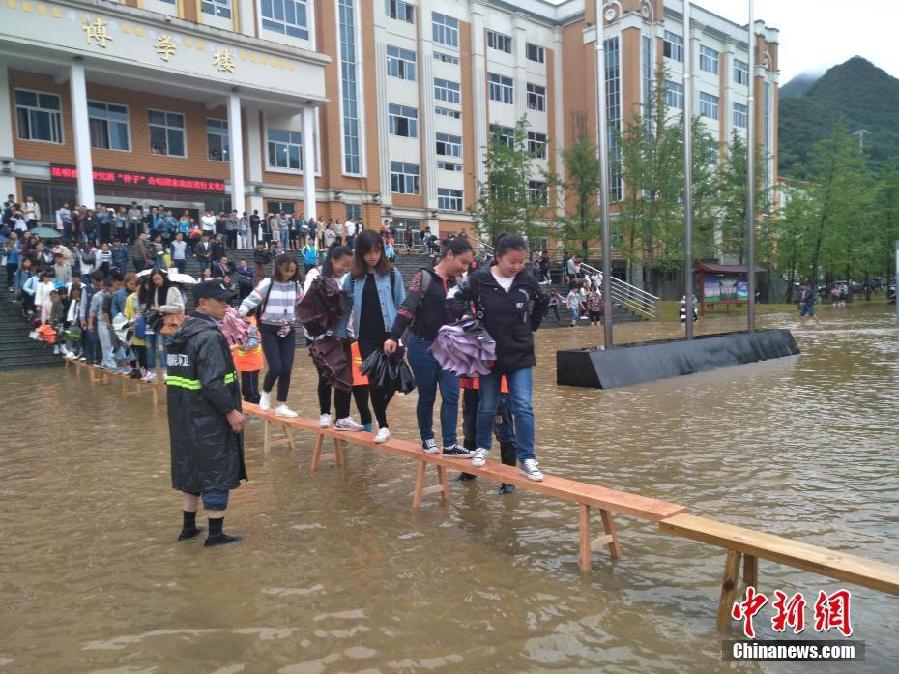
x,y
84,165
481,108
254,160
309,162
235,144
7,147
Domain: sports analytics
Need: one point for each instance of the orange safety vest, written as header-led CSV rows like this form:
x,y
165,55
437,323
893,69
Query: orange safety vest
x,y
359,379
248,360
474,383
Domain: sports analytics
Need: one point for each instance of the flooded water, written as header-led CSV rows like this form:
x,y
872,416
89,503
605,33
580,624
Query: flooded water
x,y
338,574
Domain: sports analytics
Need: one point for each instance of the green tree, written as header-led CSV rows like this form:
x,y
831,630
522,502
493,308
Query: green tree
x,y
732,200
582,170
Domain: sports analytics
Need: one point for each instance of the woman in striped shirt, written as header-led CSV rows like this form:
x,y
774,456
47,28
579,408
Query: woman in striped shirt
x,y
275,300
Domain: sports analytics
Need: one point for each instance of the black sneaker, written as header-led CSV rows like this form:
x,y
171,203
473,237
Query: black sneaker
x,y
506,488
187,534
221,539
456,452
429,446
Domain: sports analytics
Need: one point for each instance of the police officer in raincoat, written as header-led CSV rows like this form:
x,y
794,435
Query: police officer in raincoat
x,y
204,409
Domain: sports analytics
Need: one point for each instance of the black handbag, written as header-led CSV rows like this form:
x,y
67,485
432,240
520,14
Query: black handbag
x,y
154,320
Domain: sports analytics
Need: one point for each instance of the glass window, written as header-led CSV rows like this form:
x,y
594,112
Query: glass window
x,y
536,97
741,116
449,145
708,105
220,8
673,47
445,90
352,211
400,63
741,72
217,142
613,113
108,123
537,193
446,58
708,60
502,134
534,53
401,11
446,112
445,29
167,133
403,120
537,144
352,162
449,166
449,200
285,149
404,177
499,41
499,87
38,116
287,17
674,94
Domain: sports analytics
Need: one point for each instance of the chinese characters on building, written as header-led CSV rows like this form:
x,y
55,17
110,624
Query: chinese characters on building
x,y
96,32
138,179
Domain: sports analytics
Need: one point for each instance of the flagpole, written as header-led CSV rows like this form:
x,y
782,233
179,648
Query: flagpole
x,y
750,180
688,174
602,132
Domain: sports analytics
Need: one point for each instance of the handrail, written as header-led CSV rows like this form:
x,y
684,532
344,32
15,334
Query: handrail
x,y
629,296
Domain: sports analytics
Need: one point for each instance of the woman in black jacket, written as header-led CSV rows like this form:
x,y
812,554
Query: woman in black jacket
x,y
510,304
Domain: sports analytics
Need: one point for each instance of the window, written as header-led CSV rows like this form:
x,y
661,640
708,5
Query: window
x,y
401,11
108,124
403,177
449,200
401,63
673,47
38,116
499,41
536,97
708,60
445,29
352,162
167,133
445,90
499,88
289,207
712,155
449,145
612,48
446,58
352,211
674,94
449,166
287,17
537,144
503,134
534,53
285,149
403,120
741,115
217,141
708,105
741,72
446,112
537,193
220,8
646,70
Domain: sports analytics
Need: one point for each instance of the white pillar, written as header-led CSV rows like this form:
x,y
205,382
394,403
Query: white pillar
x,y
235,144
309,162
254,160
84,165
7,181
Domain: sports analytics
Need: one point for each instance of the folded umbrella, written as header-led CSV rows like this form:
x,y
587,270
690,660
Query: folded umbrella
x,y
390,373
464,348
234,328
332,360
322,307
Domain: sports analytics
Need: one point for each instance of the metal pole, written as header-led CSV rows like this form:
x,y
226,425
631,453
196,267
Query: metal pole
x,y
750,180
897,283
688,175
602,131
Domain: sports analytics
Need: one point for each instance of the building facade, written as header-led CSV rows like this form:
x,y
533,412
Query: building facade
x,y
379,109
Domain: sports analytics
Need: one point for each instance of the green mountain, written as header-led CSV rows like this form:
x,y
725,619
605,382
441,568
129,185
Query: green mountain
x,y
858,91
799,85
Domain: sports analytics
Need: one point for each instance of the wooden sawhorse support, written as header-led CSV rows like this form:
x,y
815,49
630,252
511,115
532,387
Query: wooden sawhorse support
x,y
266,444
587,546
317,455
731,580
442,485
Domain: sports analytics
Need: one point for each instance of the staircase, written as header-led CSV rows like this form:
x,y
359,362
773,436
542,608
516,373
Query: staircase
x,y
16,348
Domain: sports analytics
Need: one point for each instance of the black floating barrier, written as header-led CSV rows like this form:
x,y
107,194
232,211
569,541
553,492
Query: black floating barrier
x,y
639,362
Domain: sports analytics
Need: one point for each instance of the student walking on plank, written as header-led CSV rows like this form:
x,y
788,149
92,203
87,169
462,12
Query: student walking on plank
x,y
511,304
422,314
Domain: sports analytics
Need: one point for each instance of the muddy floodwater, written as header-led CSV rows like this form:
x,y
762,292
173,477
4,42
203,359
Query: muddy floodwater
x,y
338,573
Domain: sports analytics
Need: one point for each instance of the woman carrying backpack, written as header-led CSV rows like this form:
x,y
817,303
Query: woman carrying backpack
x,y
275,300
420,317
510,304
374,290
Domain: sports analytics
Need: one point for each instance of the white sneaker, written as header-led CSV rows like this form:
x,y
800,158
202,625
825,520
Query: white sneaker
x,y
530,470
347,425
63,350
283,410
265,401
56,350
479,458
324,421
33,334
71,356
151,376
382,436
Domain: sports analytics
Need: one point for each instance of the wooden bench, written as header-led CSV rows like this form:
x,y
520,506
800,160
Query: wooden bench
x,y
130,387
587,496
750,545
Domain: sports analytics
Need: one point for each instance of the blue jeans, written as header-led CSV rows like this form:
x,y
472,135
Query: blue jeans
x,y
154,340
285,236
428,375
521,384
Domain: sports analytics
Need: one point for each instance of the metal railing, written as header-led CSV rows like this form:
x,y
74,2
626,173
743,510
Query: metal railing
x,y
630,297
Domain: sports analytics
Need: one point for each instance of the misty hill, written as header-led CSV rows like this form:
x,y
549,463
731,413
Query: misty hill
x,y
857,90
799,85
